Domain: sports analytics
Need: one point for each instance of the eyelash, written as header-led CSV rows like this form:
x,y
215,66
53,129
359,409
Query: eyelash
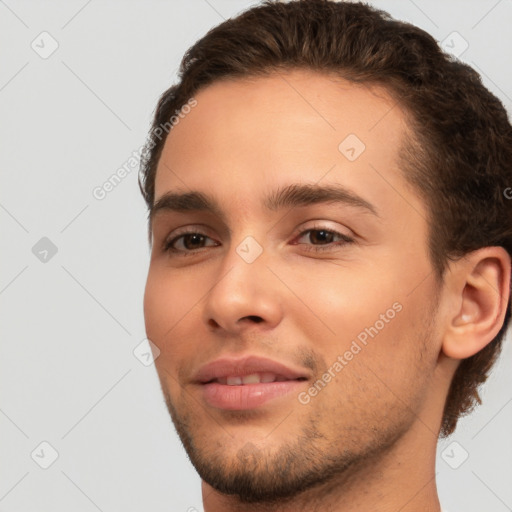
x,y
345,240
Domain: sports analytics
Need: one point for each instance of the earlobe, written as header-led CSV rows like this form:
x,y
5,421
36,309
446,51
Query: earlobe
x,y
480,282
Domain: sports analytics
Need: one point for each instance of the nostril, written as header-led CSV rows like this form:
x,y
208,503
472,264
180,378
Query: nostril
x,y
255,318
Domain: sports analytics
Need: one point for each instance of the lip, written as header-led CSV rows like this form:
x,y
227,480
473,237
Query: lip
x,y
247,365
246,396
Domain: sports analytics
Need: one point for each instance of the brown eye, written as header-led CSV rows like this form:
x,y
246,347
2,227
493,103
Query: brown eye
x,y
321,239
187,242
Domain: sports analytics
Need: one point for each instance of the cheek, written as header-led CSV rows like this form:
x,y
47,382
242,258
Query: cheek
x,y
379,383
338,302
169,296
168,316
168,302
390,363
158,308
370,316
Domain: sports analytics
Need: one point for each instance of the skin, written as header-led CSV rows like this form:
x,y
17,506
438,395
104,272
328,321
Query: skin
x,y
354,446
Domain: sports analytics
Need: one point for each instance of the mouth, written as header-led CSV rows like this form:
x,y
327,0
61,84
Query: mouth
x,y
247,383
253,378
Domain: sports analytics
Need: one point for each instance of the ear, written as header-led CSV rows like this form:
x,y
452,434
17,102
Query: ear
x,y
479,285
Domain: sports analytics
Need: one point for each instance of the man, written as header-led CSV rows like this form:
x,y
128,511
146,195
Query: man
x,y
330,272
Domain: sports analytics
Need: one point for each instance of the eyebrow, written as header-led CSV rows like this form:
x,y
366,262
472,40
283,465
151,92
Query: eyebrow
x,y
290,196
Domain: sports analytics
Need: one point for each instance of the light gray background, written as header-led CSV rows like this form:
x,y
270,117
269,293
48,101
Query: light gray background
x,y
70,325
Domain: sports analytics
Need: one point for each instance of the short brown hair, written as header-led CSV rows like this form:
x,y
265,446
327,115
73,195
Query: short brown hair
x,y
458,155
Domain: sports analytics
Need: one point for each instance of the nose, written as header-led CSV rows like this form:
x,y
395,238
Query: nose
x,y
245,294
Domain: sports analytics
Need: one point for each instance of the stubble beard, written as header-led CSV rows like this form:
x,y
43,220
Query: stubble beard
x,y
283,473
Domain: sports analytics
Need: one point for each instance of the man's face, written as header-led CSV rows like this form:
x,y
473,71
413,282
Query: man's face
x,y
337,291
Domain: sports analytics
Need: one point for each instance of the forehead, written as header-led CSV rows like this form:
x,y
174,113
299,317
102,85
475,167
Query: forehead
x,y
245,135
